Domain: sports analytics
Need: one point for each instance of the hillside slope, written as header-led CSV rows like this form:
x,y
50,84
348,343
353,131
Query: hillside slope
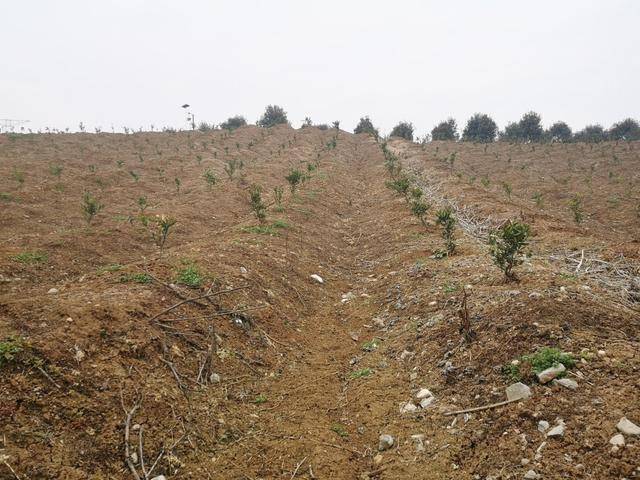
x,y
221,357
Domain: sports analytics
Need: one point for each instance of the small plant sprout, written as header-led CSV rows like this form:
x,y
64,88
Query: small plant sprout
x,y
18,176
56,170
230,167
90,207
294,178
134,175
537,197
575,205
447,221
278,194
178,184
507,189
506,244
257,205
163,224
401,186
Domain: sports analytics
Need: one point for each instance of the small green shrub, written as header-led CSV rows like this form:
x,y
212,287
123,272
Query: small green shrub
x,y
447,221
340,430
420,208
400,185
294,178
278,193
506,244
575,205
262,398
162,227
371,345
257,205
10,348
210,178
90,207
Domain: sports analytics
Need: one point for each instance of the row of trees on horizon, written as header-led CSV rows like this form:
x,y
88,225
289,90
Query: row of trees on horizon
x,y
479,128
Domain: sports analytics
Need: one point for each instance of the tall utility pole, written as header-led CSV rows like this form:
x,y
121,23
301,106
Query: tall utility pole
x,y
190,117
10,124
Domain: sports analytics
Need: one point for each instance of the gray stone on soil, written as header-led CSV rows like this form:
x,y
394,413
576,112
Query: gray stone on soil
x,y
531,475
617,440
214,378
518,391
159,477
317,278
385,442
52,291
408,407
550,373
627,427
566,383
424,393
557,431
418,439
426,402
543,425
378,322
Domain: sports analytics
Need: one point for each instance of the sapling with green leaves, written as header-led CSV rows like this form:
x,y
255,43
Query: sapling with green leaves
x,y
401,186
230,167
294,178
447,221
210,178
575,205
257,205
419,208
506,244
178,184
90,207
162,227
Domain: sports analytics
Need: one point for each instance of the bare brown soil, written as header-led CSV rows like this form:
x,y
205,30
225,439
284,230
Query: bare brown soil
x,y
302,391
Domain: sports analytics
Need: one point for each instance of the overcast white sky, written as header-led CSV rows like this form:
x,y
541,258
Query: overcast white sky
x,y
134,62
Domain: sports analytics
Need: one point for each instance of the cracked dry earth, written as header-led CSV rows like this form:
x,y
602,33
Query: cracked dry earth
x,y
283,376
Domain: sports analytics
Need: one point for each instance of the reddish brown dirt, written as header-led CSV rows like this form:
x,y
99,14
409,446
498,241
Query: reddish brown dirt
x,y
290,403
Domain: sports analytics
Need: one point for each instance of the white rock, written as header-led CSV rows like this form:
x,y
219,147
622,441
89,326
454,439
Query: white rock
x,y
134,457
347,297
566,383
426,402
557,431
531,475
424,393
524,461
408,407
617,440
159,477
243,271
317,278
517,391
418,439
543,425
385,442
627,427
53,291
550,373
214,378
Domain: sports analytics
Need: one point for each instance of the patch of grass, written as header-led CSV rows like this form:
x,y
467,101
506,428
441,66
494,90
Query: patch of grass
x,y
340,430
141,278
190,276
9,348
280,224
5,197
262,398
114,267
544,358
371,345
267,229
362,373
30,257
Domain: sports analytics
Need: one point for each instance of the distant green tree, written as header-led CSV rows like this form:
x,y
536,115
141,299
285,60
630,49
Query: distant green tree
x,y
365,126
530,126
273,115
627,129
233,122
511,133
591,134
403,130
447,130
559,132
480,128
